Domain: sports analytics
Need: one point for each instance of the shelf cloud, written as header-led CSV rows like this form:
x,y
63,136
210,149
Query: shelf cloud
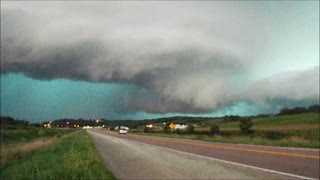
x,y
186,57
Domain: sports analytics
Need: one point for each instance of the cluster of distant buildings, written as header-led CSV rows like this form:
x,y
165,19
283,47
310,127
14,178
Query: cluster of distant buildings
x,y
179,126
176,126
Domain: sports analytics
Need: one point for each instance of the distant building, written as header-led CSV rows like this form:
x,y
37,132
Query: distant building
x,y
179,126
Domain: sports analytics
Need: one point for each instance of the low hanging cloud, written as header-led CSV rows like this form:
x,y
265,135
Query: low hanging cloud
x,y
180,57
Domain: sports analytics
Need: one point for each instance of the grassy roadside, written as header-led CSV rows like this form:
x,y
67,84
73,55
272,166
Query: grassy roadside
x,y
26,135
20,149
72,157
286,142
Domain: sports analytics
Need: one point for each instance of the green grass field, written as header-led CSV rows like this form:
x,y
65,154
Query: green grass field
x,y
277,121
71,157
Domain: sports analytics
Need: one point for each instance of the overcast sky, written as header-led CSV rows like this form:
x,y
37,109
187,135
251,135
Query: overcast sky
x,y
136,60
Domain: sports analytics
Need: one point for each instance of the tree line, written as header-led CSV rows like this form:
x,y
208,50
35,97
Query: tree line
x,y
298,110
134,124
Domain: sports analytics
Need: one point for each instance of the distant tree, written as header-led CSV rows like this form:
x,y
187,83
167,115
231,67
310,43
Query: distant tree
x,y
6,121
263,115
10,123
314,108
231,118
190,129
166,128
299,110
214,129
295,110
246,125
284,111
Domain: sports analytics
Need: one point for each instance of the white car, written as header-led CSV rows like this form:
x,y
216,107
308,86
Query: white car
x,y
123,131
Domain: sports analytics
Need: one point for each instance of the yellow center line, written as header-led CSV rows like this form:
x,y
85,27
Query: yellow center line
x,y
244,149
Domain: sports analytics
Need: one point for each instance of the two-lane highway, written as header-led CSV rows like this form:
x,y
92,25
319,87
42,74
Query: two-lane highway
x,y
290,162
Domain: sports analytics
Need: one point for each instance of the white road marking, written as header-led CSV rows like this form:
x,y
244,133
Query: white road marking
x,y
220,160
239,164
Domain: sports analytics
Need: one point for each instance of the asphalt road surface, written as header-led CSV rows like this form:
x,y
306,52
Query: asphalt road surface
x,y
144,157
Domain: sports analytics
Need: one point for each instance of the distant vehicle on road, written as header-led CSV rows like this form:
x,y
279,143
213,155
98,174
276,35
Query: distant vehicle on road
x,y
123,131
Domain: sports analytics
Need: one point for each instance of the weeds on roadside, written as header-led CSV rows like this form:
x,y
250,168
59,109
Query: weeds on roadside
x,y
73,157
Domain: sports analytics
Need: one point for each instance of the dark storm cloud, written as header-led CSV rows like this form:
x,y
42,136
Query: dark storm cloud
x,y
179,57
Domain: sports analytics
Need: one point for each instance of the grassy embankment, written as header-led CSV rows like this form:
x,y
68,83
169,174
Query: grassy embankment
x,y
301,130
20,142
25,135
69,156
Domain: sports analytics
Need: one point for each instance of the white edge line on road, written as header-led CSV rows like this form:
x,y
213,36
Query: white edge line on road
x,y
224,161
239,164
